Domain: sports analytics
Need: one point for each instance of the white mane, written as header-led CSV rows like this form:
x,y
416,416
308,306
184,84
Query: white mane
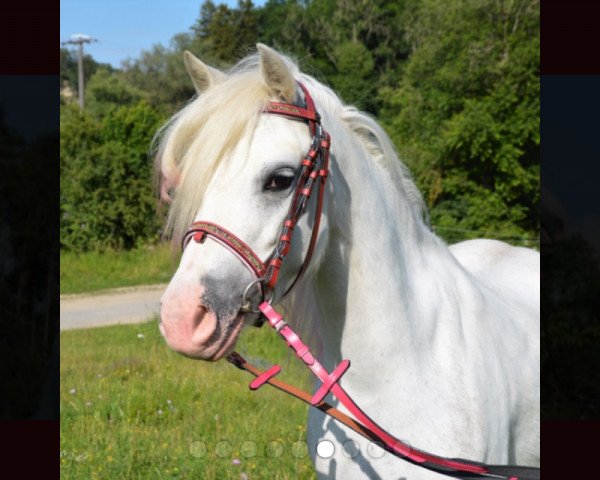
x,y
193,143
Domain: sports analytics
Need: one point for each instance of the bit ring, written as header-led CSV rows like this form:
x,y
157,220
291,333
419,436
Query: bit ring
x,y
246,305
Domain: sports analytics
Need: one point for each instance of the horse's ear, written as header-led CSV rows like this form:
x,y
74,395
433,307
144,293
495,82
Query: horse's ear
x,y
201,74
276,73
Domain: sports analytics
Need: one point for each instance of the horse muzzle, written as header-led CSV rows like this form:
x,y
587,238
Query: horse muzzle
x,y
199,324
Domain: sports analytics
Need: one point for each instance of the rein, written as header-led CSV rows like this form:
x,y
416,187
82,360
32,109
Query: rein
x,y
314,172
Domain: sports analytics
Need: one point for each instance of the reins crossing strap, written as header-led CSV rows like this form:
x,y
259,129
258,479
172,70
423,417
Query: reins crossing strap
x,y
456,468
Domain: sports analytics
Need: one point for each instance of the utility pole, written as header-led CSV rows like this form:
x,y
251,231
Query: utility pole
x,y
79,39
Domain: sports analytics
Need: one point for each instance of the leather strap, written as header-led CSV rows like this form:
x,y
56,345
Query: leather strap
x,y
227,239
401,448
322,174
502,472
236,359
291,111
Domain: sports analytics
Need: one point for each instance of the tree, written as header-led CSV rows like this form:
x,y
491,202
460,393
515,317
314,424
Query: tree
x,y
69,68
107,198
106,91
359,45
224,33
28,267
160,74
466,114
571,300
9,139
454,82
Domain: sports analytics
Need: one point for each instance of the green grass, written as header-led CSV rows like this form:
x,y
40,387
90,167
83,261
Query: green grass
x,y
132,409
91,271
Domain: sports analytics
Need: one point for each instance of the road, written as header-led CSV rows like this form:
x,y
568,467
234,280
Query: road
x,y
123,305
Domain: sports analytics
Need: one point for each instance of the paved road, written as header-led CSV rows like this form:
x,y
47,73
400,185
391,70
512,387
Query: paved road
x,y
123,305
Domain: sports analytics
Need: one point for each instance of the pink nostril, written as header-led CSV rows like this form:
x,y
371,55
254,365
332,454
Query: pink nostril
x,y
203,325
186,326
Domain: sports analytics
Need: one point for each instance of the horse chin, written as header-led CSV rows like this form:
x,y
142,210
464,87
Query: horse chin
x,y
226,343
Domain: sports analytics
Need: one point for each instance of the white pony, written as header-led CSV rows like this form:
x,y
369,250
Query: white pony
x,y
444,341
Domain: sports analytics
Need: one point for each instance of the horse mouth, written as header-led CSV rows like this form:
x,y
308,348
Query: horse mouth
x,y
208,338
227,341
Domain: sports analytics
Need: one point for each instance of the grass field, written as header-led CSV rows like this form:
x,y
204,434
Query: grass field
x,y
132,409
91,271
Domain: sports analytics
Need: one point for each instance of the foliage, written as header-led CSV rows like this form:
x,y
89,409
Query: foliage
x,y
107,91
10,141
106,180
358,45
227,33
161,75
455,83
131,408
466,113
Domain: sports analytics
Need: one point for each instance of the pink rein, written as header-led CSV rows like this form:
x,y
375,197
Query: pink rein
x,y
329,384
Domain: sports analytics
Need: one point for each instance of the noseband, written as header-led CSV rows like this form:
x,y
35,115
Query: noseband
x,y
315,166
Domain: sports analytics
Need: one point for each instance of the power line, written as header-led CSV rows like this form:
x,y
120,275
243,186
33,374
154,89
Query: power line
x,y
79,39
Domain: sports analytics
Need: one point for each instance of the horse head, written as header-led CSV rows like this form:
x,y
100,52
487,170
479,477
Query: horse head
x,y
228,163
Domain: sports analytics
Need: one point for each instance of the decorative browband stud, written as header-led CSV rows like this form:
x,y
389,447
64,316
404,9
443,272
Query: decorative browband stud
x,y
199,237
264,377
330,382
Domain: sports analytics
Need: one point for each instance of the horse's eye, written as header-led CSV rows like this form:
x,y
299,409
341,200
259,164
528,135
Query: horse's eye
x,y
279,182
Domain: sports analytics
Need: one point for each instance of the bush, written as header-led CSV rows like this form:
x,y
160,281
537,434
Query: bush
x,y
465,116
106,179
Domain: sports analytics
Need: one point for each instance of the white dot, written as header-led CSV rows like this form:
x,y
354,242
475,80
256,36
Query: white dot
x,y
223,449
248,449
198,449
350,449
274,449
325,449
375,450
299,449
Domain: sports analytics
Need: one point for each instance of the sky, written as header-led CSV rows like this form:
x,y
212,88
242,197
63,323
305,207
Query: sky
x,y
126,27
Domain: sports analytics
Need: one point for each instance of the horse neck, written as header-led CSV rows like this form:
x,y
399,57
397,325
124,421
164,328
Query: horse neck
x,y
384,279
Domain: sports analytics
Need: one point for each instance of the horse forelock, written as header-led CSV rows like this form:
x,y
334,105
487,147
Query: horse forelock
x,y
196,140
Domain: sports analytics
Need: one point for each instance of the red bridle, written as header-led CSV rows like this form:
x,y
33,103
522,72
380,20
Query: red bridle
x,y
315,167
